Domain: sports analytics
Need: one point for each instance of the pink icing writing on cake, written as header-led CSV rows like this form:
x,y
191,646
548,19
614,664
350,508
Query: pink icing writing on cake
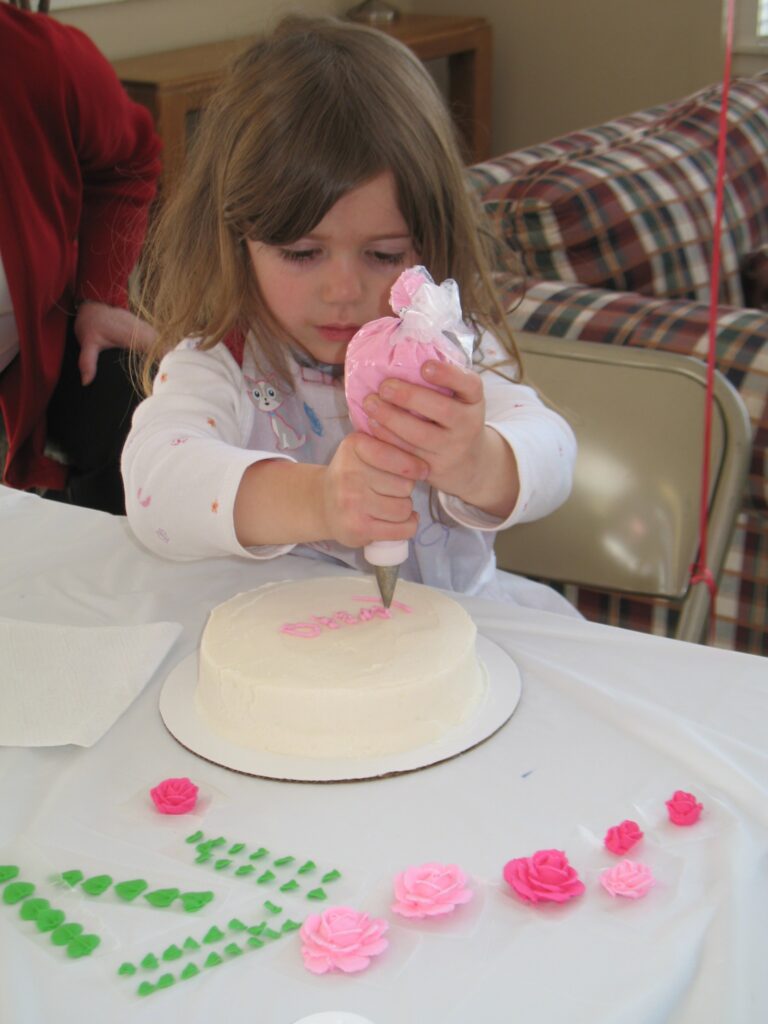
x,y
317,623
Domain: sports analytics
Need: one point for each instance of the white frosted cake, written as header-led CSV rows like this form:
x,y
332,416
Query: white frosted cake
x,y
319,668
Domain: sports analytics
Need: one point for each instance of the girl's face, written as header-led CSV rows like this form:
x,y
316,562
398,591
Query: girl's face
x,y
324,287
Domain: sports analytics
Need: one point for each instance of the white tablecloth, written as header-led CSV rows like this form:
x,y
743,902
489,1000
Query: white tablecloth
x,y
609,725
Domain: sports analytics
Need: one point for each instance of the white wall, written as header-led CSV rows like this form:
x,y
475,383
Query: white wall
x,y
559,64
567,64
150,26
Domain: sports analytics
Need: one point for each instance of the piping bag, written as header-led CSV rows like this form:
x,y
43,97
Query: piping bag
x,y
427,325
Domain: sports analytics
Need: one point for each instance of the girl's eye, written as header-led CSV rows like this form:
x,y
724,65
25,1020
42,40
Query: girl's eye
x,y
391,259
298,255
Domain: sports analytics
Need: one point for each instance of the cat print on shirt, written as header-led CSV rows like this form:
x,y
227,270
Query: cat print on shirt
x,y
267,399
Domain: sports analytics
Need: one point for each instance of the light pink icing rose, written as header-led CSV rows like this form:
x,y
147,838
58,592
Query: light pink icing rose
x,y
683,808
546,876
621,838
430,890
174,796
629,879
341,939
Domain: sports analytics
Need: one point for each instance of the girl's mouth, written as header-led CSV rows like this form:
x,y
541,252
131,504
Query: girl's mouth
x,y
337,332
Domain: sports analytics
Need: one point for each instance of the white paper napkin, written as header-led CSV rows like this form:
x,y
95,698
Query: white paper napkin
x,y
70,684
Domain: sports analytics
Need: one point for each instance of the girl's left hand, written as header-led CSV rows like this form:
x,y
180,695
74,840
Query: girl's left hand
x,y
448,431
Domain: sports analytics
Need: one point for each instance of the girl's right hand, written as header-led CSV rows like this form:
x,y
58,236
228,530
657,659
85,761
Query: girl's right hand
x,y
367,490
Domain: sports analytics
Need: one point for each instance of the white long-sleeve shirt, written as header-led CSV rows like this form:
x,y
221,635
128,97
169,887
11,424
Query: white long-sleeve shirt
x,y
208,419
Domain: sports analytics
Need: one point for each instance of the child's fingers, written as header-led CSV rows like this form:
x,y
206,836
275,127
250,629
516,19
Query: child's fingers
x,y
405,431
427,403
390,458
464,383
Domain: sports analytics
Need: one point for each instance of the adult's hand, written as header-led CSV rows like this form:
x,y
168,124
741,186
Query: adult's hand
x,y
99,326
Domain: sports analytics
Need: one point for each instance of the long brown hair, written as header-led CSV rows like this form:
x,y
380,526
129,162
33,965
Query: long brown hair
x,y
310,112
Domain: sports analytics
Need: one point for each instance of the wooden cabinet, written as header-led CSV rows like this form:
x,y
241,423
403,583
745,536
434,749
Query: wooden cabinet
x,y
175,85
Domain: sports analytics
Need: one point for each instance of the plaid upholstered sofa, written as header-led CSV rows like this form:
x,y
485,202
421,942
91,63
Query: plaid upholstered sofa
x,y
613,228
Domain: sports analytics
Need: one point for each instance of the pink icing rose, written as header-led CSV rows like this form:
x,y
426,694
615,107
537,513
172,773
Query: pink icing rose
x,y
430,890
683,808
546,876
174,796
621,838
628,879
341,939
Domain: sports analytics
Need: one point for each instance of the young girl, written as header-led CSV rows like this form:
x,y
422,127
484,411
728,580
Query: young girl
x,y
325,166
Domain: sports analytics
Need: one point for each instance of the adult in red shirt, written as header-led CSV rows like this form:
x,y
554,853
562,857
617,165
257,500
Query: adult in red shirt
x,y
79,163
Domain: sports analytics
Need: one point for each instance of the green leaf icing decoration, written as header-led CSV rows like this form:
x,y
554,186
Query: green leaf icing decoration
x,y
213,935
233,949
16,892
289,886
193,901
130,890
307,867
245,869
47,920
72,878
261,852
64,934
191,944
223,863
257,929
165,981
331,876
205,847
236,925
218,842
282,861
161,897
31,908
82,945
189,972
270,934
213,960
290,926
150,962
254,942
146,988
7,872
201,858
268,876
317,894
126,969
194,838
172,953
97,885
236,848
272,908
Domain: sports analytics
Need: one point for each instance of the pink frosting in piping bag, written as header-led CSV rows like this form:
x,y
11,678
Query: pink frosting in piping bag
x,y
428,325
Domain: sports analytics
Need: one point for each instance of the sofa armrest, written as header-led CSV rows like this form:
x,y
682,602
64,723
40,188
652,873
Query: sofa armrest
x,y
620,318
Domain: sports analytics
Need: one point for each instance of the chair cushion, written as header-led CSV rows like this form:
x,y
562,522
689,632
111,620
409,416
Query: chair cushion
x,y
635,213
590,314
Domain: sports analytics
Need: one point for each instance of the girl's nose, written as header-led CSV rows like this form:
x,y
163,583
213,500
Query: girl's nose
x,y
342,284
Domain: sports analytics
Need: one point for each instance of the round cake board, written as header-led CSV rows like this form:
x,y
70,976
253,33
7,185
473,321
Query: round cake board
x,y
177,709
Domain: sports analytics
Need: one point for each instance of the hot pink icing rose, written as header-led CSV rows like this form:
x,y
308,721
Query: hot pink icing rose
x,y
621,838
683,808
546,876
174,796
341,939
628,879
430,890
